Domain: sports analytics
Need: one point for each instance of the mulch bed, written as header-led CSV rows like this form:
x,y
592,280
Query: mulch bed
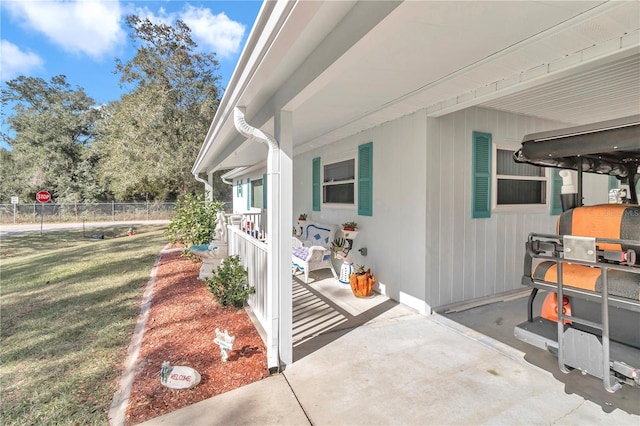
x,y
180,329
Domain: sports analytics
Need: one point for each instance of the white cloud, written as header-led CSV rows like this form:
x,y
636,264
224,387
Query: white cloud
x,y
162,17
91,27
15,62
215,32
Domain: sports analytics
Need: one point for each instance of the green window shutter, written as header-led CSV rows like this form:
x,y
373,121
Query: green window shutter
x,y
481,184
264,191
239,188
248,194
365,179
613,182
556,186
315,184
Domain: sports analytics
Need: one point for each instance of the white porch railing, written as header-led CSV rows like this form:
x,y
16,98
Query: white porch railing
x,y
253,256
254,224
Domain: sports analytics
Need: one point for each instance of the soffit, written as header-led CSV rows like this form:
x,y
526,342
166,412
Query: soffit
x,y
430,55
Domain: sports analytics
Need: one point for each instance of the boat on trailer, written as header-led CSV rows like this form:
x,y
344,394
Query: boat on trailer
x,y
590,269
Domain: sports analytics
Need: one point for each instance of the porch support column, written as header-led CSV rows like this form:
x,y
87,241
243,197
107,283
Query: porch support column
x,y
280,220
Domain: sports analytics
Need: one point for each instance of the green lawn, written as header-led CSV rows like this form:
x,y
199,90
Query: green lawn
x,y
68,309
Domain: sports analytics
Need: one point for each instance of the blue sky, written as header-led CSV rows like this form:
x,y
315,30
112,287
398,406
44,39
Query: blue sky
x,y
81,39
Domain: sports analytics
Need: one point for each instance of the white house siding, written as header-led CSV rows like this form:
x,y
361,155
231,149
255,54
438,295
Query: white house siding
x,y
471,258
394,235
423,245
240,201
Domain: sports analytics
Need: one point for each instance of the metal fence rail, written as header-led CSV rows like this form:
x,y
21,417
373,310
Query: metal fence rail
x,y
77,212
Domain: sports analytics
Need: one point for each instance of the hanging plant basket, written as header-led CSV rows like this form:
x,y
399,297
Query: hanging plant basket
x,y
362,284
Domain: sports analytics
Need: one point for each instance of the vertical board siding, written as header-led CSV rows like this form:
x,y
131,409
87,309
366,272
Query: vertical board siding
x,y
446,202
422,240
394,234
472,258
435,185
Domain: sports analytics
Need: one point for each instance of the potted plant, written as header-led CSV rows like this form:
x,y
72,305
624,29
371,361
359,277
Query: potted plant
x,y
350,230
350,226
302,217
362,281
337,247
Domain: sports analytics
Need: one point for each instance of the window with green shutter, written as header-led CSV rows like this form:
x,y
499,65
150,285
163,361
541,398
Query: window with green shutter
x,y
365,179
481,175
556,187
248,194
315,184
257,193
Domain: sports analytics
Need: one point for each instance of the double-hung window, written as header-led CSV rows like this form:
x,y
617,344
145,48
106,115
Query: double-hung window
x,y
257,194
345,181
518,183
499,183
338,182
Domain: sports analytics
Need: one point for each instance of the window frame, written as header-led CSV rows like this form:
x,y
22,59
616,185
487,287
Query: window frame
x,y
325,161
252,193
513,146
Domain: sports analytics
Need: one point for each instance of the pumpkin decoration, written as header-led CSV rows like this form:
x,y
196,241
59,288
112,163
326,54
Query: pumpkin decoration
x,y
362,281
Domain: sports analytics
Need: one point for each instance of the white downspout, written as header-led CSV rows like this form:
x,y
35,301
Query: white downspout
x,y
273,236
207,186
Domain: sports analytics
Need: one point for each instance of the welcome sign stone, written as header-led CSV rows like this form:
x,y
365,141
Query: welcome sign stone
x,y
178,376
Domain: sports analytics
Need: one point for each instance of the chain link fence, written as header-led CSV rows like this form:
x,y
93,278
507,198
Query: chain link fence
x,y
77,212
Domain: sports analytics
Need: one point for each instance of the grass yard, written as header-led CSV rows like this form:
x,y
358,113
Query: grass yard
x,y
69,306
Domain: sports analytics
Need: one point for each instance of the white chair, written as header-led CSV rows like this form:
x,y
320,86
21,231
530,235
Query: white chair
x,y
311,250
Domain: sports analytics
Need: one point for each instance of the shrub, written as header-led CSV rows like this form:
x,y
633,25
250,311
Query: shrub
x,y
194,220
228,283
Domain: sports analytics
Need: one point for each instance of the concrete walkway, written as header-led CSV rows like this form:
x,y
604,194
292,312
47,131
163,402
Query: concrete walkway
x,y
401,368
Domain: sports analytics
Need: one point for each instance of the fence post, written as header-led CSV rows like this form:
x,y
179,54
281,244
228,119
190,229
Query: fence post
x,y
35,215
147,210
113,210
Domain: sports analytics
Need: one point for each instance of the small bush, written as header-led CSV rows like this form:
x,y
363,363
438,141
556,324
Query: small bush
x,y
228,283
194,221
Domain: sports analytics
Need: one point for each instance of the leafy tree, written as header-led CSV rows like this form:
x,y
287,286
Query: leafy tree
x,y
194,220
53,126
8,176
150,138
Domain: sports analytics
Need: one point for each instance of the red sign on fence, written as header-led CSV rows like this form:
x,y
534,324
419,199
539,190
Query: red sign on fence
x,y
43,196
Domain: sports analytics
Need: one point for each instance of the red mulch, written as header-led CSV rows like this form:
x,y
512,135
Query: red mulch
x,y
180,329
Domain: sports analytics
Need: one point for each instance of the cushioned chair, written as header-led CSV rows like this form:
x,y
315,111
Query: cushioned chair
x,y
311,250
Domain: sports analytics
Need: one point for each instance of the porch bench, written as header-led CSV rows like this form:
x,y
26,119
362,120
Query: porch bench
x,y
312,249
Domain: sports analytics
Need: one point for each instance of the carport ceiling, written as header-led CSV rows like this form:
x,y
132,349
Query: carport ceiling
x,y
572,62
429,53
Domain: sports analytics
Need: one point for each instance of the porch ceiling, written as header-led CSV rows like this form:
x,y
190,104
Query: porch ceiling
x,y
342,67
